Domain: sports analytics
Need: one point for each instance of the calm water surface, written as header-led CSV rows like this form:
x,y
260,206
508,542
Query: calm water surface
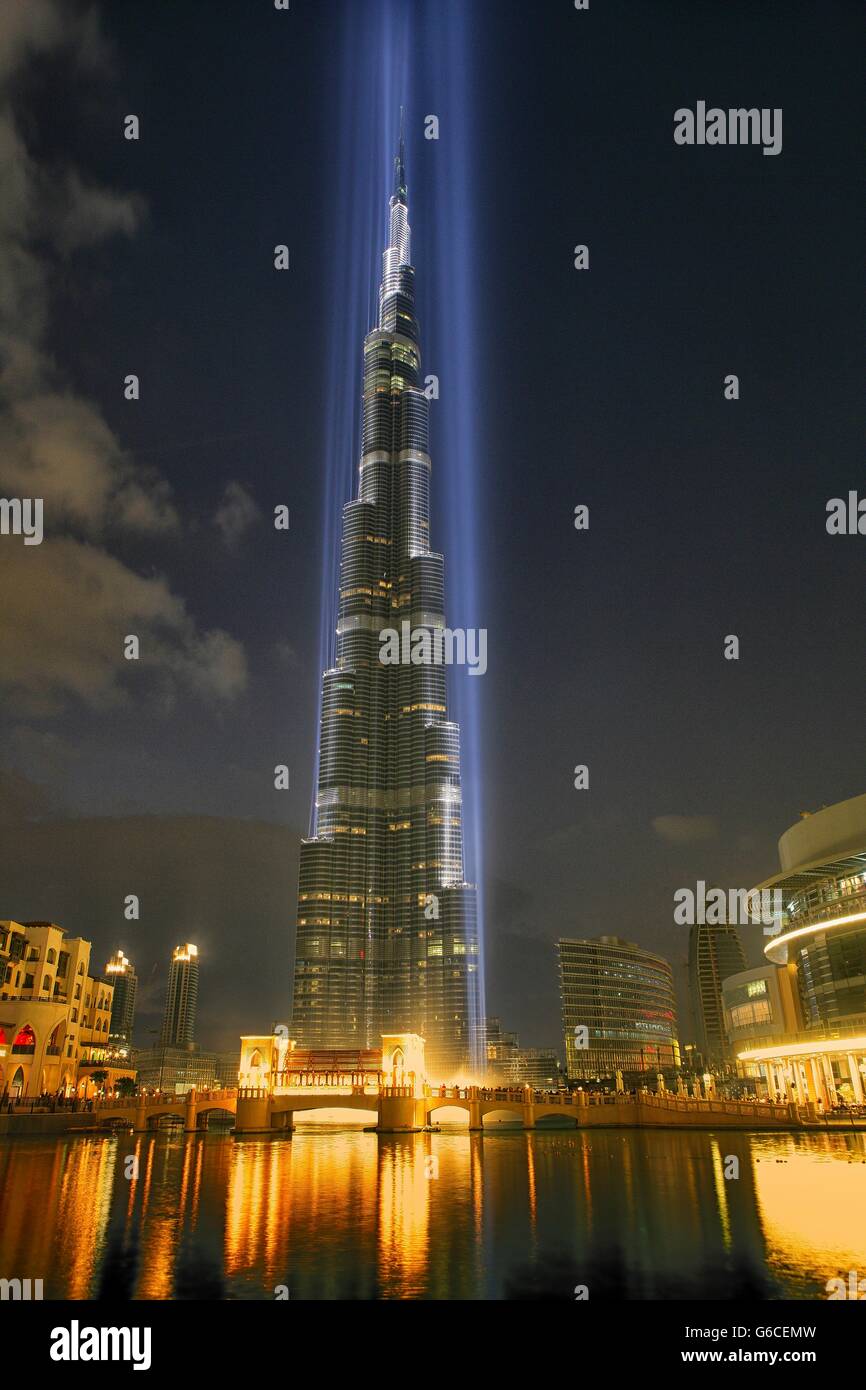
x,y
337,1213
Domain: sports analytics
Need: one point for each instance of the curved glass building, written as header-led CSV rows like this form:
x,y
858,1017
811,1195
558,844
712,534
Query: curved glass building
x,y
624,997
823,934
387,935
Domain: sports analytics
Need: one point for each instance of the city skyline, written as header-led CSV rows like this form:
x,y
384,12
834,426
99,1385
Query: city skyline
x,y
428,671
121,775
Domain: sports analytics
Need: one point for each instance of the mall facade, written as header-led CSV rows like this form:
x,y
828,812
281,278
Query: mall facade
x,y
798,1024
618,1011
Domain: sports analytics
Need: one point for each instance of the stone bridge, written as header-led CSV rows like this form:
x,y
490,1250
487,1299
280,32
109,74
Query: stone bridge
x,y
262,1110
146,1111
406,1108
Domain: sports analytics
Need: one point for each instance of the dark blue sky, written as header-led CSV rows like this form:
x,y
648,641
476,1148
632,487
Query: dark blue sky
x,y
601,387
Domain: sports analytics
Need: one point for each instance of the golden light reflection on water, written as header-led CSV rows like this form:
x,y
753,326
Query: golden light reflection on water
x,y
811,1197
169,1208
719,1181
337,1213
84,1193
406,1181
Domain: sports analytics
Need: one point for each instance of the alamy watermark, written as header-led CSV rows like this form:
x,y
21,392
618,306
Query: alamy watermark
x,y
25,1290
736,126
436,646
22,516
846,516
854,1289
77,1343
717,907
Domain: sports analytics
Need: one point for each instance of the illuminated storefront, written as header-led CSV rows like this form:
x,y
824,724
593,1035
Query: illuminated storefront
x,y
823,940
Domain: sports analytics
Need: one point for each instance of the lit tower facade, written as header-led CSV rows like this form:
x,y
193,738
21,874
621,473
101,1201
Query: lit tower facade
x,y
178,1023
387,932
120,973
624,997
715,953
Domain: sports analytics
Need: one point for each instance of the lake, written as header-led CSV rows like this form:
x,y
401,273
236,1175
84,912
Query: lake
x,y
334,1213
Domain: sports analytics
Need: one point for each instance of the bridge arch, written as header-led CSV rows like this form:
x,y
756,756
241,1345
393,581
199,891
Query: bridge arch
x,y
562,1117
355,1106
447,1104
341,1114
204,1114
156,1121
501,1110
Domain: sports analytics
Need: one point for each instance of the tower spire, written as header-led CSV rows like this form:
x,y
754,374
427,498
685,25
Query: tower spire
x,y
400,190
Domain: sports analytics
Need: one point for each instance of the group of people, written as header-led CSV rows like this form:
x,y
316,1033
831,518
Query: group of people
x,y
46,1100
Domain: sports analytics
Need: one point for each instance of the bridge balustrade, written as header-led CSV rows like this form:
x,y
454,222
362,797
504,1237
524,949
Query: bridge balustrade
x,y
356,1080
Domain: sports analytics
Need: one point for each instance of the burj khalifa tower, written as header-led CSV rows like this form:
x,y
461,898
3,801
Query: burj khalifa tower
x,y
387,929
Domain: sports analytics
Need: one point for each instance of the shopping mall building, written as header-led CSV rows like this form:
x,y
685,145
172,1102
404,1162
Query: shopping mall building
x,y
618,1012
799,1022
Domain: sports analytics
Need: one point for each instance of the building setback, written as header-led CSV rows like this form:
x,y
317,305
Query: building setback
x,y
387,934
624,998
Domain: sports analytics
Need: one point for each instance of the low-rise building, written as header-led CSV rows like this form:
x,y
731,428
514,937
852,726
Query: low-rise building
x,y
54,1015
511,1064
760,1006
179,1069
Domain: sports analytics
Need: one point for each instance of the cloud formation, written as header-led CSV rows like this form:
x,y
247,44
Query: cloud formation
x,y
69,602
63,634
53,444
237,512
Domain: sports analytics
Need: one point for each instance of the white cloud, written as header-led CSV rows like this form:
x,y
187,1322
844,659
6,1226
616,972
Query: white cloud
x,y
62,636
237,512
68,603
87,214
53,443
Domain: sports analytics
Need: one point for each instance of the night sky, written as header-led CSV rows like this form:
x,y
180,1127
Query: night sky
x,y
603,387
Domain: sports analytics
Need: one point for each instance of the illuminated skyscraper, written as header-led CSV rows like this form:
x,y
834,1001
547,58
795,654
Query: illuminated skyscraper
x,y
120,973
715,952
387,936
178,1024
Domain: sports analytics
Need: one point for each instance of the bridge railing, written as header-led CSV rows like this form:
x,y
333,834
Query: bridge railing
x,y
172,1098
327,1080
753,1109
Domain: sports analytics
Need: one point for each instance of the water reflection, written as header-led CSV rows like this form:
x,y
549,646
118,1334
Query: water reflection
x,y
337,1213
